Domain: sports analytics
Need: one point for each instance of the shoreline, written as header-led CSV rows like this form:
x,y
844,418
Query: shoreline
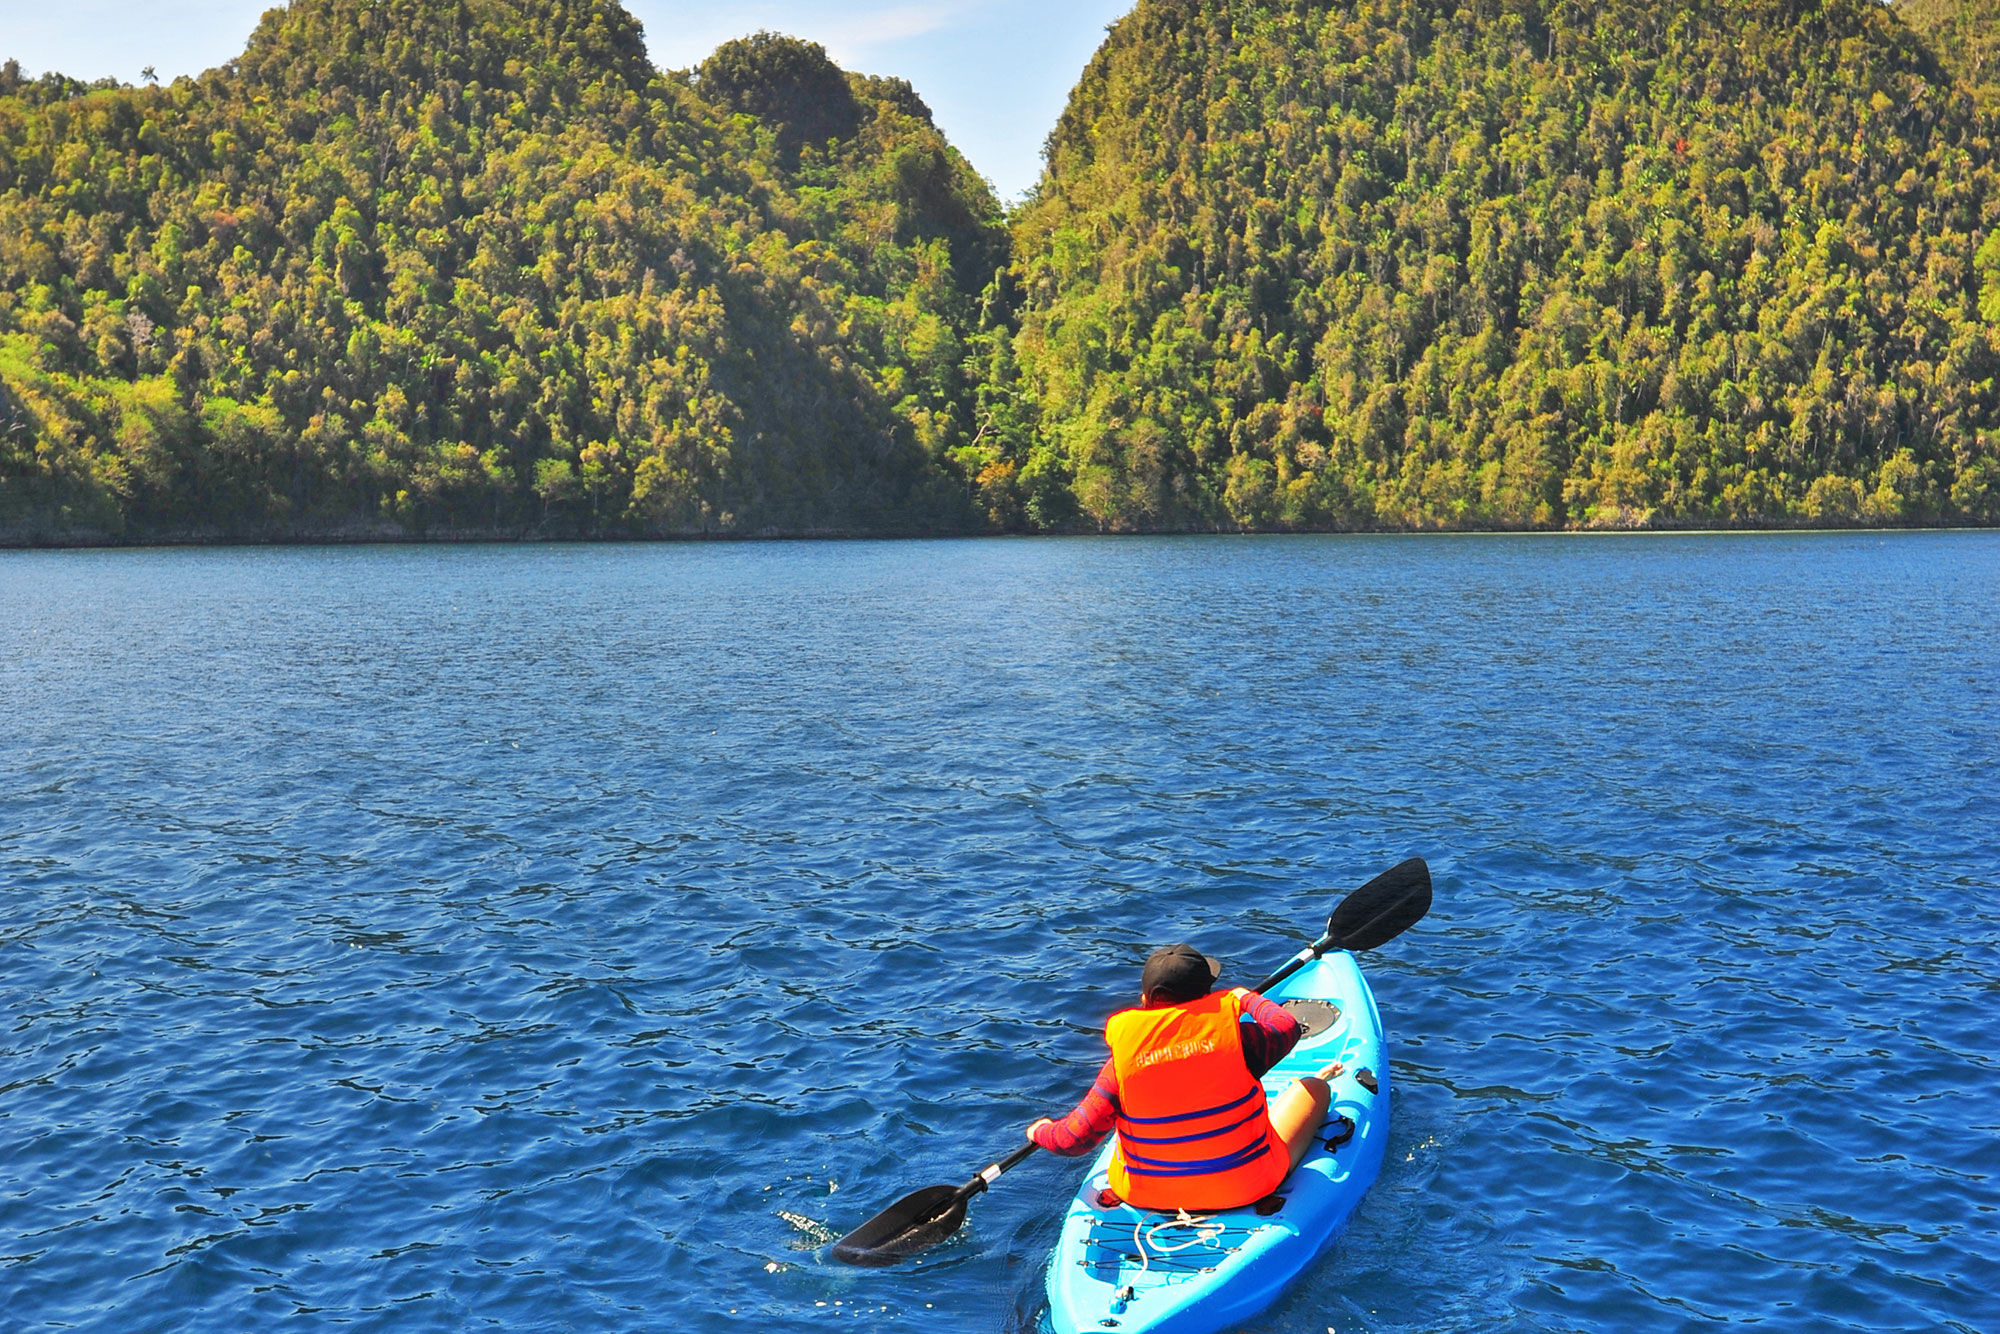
x,y
102,542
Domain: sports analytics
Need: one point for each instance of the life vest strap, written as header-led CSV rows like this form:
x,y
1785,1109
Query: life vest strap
x,y
1256,1090
1256,1114
1153,1167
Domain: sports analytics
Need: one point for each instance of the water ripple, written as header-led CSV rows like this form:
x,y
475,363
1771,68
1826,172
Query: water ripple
x,y
567,938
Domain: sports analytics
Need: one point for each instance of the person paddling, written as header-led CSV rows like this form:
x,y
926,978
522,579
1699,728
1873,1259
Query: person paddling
x,y
1181,1089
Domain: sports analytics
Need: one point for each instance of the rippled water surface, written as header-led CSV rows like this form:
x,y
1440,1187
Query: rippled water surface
x,y
576,938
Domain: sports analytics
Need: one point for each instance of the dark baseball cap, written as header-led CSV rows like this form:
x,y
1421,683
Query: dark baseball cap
x,y
1178,973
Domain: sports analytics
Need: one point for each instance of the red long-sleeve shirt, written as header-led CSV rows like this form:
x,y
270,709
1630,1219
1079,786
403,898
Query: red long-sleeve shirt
x,y
1269,1034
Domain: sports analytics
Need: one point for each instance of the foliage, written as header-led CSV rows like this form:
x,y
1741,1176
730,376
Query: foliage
x,y
474,266
789,85
1513,263
1965,34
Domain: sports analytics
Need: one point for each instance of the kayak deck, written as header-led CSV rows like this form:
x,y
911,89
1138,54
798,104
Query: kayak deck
x,y
1127,1269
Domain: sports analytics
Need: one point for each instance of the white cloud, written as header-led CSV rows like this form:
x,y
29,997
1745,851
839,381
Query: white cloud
x,y
898,23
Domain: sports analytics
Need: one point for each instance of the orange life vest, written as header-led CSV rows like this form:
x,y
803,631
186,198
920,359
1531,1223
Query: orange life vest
x,y
1193,1131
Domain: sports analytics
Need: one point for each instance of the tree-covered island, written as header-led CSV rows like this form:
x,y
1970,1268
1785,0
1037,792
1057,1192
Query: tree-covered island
x,y
475,268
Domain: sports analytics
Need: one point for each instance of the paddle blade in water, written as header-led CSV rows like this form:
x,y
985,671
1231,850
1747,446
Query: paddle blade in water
x,y
917,1222
1382,909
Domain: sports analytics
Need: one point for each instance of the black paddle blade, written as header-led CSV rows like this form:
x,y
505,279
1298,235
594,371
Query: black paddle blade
x,y
917,1222
1382,909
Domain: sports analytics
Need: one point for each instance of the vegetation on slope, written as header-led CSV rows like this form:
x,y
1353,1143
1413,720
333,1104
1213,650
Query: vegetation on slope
x,y
1515,263
473,265
1966,36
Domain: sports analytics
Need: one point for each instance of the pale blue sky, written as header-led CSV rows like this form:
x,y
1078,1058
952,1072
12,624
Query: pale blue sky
x,y
995,72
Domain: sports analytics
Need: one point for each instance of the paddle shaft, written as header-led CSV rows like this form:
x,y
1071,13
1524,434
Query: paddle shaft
x,y
1296,962
992,1174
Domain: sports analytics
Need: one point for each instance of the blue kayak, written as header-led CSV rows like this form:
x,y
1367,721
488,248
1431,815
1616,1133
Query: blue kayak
x,y
1127,1269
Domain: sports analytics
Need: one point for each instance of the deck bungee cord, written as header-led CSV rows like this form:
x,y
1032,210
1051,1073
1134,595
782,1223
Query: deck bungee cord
x,y
1207,1229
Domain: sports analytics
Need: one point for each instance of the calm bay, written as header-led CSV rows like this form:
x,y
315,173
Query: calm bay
x,y
579,937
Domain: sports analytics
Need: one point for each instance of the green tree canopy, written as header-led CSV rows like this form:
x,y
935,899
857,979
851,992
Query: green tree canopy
x,y
474,265
1965,34
1513,263
788,84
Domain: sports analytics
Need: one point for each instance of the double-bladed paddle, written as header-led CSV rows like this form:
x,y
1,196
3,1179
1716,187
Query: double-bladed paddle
x,y
1372,915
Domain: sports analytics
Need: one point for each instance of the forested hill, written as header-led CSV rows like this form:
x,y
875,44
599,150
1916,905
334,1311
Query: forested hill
x,y
474,266
1389,263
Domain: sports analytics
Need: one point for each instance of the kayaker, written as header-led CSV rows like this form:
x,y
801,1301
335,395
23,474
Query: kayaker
x,y
1181,1089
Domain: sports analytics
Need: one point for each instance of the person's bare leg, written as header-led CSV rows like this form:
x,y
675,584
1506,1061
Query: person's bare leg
x,y
1301,1109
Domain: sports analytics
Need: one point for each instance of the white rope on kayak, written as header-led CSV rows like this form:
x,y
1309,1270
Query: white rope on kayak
x,y
1207,1229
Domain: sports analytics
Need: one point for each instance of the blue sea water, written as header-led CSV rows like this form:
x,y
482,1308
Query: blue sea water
x,y
577,938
